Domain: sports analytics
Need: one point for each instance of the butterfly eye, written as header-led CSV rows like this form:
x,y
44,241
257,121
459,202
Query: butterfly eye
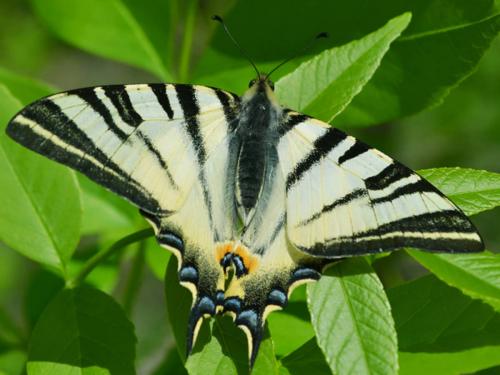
x,y
271,85
252,82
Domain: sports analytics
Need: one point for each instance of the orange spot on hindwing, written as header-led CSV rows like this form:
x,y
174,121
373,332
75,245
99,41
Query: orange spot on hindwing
x,y
236,255
250,261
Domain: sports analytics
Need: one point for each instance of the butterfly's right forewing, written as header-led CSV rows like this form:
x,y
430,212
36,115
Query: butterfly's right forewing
x,y
345,198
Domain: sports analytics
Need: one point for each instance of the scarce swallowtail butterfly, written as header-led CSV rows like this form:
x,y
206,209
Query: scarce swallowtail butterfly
x,y
251,197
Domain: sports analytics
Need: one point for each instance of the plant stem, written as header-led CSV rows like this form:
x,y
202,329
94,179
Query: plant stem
x,y
187,41
134,279
99,257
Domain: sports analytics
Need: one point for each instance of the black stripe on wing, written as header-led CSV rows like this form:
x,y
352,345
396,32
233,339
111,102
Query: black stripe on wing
x,y
229,104
89,96
121,101
322,146
346,199
408,189
122,104
415,231
49,116
160,91
291,119
54,121
186,94
392,173
355,150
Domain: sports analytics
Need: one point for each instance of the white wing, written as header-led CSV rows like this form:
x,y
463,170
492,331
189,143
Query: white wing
x,y
345,198
136,140
165,148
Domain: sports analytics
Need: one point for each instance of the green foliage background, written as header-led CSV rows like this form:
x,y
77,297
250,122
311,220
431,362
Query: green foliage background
x,y
81,281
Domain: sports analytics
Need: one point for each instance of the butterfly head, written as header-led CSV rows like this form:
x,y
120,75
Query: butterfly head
x,y
261,82
260,90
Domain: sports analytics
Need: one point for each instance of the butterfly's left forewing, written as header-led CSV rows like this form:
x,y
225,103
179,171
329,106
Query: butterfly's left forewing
x,y
345,198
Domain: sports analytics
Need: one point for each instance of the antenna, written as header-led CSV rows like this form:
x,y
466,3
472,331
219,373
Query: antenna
x,y
302,50
219,19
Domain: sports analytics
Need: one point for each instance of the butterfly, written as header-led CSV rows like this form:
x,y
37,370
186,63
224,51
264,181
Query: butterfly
x,y
252,198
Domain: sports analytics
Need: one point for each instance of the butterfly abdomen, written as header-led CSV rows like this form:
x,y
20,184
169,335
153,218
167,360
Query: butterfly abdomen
x,y
251,166
257,123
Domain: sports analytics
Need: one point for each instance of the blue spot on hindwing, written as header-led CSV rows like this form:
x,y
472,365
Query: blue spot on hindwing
x,y
219,298
303,273
239,266
171,239
248,318
232,304
277,297
188,273
206,305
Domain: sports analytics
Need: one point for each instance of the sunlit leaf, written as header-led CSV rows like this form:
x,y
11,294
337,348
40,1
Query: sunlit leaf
x,y
352,319
106,28
472,190
477,275
409,81
324,86
442,46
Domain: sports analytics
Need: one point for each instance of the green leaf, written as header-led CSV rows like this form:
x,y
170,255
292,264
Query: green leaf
x,y
306,359
106,28
352,319
104,277
12,362
477,275
326,84
43,286
445,41
102,210
24,89
82,331
178,301
172,364
294,318
221,347
157,258
105,212
431,316
225,352
462,362
425,64
155,18
40,205
472,190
